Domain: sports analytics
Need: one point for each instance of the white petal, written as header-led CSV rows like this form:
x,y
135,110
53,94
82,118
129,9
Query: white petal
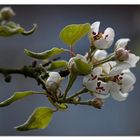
x,y
90,85
127,71
106,67
119,68
133,59
97,71
103,43
100,54
128,79
54,76
87,80
127,89
79,56
112,63
109,34
95,27
102,96
116,93
121,43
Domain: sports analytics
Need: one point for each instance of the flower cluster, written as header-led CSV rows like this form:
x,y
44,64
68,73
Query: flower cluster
x,y
113,77
103,74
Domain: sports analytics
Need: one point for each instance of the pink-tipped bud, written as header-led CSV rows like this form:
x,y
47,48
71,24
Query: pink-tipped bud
x,y
121,54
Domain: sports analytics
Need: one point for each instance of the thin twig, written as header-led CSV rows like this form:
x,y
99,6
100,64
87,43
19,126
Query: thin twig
x,y
83,90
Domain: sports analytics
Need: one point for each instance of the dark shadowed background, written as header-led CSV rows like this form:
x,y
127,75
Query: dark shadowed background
x,y
116,118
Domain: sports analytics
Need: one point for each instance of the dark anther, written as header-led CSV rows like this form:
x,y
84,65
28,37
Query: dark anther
x,y
93,33
98,84
106,36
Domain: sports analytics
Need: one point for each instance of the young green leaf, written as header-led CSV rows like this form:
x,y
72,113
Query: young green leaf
x,y
72,33
82,67
11,28
57,64
32,30
18,96
46,54
39,119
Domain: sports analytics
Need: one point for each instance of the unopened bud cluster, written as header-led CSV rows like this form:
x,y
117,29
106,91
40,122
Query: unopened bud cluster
x,y
7,13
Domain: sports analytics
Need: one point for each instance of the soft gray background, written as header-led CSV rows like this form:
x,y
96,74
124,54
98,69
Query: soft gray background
x,y
116,118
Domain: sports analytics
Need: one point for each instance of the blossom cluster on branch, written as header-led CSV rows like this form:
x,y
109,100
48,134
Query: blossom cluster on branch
x,y
104,74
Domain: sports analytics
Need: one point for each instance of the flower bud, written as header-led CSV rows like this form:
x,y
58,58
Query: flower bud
x,y
97,103
79,64
53,81
7,13
121,54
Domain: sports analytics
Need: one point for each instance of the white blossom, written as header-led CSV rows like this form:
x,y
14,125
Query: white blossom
x,y
132,58
102,40
53,81
99,88
121,85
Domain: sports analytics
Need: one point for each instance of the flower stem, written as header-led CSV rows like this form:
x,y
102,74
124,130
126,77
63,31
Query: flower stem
x,y
110,57
83,90
71,79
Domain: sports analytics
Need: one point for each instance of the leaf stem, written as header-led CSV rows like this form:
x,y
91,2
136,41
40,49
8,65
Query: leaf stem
x,y
72,54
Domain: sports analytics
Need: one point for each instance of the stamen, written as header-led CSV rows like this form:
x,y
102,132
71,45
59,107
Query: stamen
x,y
94,33
106,36
120,78
99,88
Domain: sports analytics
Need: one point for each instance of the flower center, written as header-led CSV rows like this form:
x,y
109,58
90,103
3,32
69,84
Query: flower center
x,y
98,36
99,88
118,78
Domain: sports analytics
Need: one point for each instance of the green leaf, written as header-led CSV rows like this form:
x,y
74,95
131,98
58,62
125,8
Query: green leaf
x,y
73,33
57,64
32,30
46,54
18,96
82,67
39,119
